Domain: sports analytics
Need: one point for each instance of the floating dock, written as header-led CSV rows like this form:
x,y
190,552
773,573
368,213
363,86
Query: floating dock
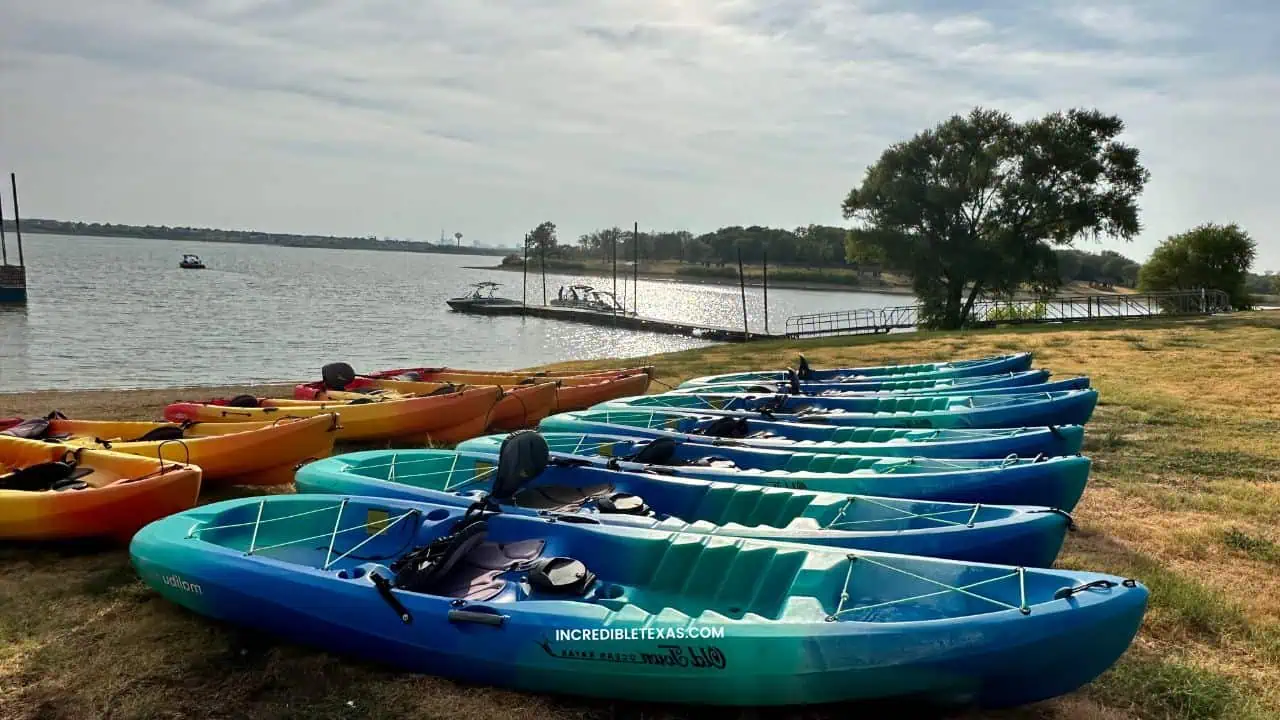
x,y
619,320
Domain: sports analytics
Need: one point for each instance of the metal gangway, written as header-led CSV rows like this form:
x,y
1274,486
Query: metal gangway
x,y
988,313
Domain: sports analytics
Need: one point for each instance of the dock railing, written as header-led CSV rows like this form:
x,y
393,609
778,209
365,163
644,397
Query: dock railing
x,y
1071,308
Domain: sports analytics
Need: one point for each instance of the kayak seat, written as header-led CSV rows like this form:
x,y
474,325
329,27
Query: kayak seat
x,y
243,401
660,451
522,456
409,377
43,477
726,427
713,461
337,376
561,576
33,429
165,432
477,577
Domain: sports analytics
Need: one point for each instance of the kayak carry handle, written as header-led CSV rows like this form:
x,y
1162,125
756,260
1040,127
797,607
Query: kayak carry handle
x,y
479,617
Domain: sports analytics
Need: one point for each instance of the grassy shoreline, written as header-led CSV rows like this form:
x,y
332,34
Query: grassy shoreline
x,y
1185,496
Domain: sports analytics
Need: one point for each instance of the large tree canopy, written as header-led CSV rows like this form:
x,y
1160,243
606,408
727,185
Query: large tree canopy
x,y
973,206
1213,257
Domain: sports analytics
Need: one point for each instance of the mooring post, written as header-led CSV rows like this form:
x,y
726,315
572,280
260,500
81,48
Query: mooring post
x,y
17,217
635,276
764,277
742,285
524,290
615,277
4,251
542,252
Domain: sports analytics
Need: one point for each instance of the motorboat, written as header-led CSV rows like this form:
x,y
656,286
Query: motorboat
x,y
191,262
481,295
585,297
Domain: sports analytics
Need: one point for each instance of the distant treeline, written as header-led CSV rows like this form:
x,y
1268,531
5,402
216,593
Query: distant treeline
x,y
165,232
812,246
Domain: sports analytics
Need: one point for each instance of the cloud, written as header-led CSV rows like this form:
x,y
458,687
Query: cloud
x,y
399,117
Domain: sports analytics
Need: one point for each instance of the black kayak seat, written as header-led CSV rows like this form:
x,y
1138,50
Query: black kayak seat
x,y
44,476
164,432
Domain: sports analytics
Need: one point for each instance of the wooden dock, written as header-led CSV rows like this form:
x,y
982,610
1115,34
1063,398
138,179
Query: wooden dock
x,y
621,321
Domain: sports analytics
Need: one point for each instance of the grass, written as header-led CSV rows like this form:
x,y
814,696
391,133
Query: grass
x,y
1185,497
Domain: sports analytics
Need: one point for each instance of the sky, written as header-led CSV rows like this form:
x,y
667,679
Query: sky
x,y
406,118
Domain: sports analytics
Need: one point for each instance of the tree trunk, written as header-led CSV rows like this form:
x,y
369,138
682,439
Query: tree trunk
x,y
968,306
951,317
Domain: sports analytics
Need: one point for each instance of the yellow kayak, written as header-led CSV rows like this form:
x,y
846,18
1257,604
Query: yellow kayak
x,y
235,453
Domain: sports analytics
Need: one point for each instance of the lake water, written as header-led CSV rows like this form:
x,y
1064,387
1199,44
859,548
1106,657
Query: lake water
x,y
119,313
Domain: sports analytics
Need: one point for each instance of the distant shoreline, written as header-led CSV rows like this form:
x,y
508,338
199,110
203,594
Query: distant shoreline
x,y
238,237
752,282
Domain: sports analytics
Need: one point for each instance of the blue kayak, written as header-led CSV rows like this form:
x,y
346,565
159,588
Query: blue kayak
x,y
1072,407
919,371
1055,482
840,389
1030,536
942,385
807,437
635,614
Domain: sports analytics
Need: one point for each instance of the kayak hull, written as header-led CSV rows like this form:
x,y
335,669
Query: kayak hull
x,y
521,406
920,371
960,384
722,643
125,493
1027,536
1073,407
407,419
227,453
790,436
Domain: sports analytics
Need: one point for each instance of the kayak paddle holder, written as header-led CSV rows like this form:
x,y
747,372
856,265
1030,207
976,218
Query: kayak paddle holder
x,y
383,586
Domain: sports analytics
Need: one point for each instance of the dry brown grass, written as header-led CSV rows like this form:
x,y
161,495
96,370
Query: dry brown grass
x,y
1185,497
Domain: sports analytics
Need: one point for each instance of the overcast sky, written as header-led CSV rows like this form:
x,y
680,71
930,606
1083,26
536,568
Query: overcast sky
x,y
406,117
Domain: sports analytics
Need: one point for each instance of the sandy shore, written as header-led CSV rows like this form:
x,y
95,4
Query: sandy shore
x,y
120,404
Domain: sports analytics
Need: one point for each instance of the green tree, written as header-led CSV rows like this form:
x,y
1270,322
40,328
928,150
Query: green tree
x,y
543,239
1069,264
975,204
1212,257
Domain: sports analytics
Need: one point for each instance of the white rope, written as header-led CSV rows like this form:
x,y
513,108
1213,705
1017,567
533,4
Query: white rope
x,y
387,526
963,589
197,528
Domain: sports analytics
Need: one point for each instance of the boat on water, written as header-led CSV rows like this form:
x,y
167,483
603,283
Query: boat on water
x,y
191,262
585,297
481,295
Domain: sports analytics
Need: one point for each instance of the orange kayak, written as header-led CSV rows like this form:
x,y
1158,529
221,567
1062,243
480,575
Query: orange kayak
x,y
583,395
49,491
576,392
414,418
336,376
443,374
521,406
249,453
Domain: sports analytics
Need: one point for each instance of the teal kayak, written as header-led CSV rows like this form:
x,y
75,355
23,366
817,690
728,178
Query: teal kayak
x,y
1071,407
919,371
808,437
940,387
635,614
979,532
1055,482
